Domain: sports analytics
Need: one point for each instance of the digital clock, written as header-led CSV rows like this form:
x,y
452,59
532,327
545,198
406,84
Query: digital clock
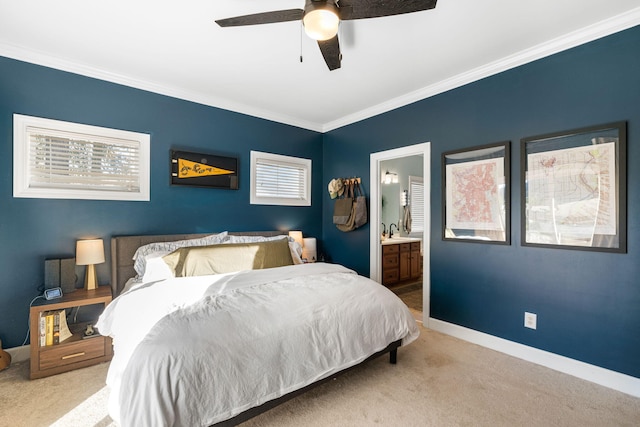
x,y
53,293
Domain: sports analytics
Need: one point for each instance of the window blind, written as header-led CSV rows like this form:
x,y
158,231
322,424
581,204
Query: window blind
x,y
416,187
68,160
279,179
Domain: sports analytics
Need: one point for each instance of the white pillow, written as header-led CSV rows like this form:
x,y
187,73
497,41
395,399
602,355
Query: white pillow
x,y
140,257
156,269
296,252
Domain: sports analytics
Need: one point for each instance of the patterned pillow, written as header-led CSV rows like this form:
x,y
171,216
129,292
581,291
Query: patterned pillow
x,y
153,249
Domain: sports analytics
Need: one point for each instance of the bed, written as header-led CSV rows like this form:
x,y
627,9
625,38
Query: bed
x,y
219,341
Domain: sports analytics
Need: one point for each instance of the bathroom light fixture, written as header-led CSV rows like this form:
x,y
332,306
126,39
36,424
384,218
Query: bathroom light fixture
x,y
90,252
321,20
390,178
404,198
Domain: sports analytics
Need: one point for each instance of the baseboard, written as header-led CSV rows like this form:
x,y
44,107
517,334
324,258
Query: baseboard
x,y
604,377
19,354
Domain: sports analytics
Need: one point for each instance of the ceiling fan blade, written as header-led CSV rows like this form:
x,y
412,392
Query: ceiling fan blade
x,y
262,18
361,9
331,52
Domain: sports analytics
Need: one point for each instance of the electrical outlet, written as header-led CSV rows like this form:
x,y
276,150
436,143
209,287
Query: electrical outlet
x,y
530,320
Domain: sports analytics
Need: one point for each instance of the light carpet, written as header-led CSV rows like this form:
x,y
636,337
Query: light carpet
x,y
438,381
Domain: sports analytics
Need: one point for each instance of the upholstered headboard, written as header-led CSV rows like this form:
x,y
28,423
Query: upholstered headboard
x,y
123,248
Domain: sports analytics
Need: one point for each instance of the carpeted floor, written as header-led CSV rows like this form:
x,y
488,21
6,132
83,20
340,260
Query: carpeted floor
x,y
438,381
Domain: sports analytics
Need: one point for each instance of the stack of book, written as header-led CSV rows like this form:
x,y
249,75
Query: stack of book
x,y
53,327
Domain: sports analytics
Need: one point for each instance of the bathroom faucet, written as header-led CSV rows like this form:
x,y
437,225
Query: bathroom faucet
x,y
391,229
384,229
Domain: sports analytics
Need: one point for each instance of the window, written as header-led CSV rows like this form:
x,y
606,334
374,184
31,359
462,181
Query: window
x,y
416,196
280,180
61,160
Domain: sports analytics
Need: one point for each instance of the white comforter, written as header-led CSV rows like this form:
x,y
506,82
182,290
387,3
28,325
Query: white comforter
x,y
195,351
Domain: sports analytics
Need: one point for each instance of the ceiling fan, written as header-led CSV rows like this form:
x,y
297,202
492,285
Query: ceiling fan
x,y
321,19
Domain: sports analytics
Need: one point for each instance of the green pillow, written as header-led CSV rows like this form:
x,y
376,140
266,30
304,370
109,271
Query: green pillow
x,y
227,258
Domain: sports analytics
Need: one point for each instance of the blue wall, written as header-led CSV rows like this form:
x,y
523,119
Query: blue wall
x,y
34,229
588,303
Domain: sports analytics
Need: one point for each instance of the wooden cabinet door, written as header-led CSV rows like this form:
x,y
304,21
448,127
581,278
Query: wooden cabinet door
x,y
416,260
405,261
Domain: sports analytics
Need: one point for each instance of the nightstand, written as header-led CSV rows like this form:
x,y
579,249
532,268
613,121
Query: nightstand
x,y
74,352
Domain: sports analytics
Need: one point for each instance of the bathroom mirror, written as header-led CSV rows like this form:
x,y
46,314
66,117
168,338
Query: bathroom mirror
x,y
402,196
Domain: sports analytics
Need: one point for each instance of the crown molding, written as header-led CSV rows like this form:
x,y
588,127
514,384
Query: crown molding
x,y
46,60
601,29
576,38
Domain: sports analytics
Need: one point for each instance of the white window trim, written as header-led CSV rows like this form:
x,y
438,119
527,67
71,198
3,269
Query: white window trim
x,y
21,147
296,161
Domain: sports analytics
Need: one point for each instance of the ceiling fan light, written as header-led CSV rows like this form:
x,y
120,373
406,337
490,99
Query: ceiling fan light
x,y
321,23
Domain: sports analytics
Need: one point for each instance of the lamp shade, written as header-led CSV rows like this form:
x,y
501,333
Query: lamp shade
x,y
297,236
309,251
89,252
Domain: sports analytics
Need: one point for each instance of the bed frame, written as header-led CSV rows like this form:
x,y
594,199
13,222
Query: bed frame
x,y
122,250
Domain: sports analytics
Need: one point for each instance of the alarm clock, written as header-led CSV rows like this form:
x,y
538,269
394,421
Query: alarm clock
x,y
53,293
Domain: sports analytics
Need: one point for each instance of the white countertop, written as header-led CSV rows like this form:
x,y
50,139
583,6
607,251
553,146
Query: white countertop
x,y
397,240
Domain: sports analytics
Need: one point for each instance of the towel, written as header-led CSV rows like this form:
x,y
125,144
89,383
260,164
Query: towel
x,y
407,219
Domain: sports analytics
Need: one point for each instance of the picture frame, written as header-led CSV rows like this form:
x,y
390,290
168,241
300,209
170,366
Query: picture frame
x,y
204,170
574,189
476,194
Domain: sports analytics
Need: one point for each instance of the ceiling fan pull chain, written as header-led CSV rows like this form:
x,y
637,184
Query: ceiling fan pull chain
x,y
342,38
301,35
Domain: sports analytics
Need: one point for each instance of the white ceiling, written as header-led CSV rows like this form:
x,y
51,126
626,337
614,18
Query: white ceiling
x,y
174,47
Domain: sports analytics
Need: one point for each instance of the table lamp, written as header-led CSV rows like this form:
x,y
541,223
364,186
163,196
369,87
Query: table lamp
x,y
309,250
297,236
89,253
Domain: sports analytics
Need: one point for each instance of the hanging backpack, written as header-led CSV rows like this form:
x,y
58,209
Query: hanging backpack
x,y
349,224
342,208
361,207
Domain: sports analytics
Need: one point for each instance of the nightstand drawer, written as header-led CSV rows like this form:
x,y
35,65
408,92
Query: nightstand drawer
x,y
65,354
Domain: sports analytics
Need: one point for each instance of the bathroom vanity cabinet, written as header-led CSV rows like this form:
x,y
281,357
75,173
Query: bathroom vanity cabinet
x,y
401,261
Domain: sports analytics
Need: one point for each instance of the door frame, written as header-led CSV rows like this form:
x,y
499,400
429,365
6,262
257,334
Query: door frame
x,y
375,248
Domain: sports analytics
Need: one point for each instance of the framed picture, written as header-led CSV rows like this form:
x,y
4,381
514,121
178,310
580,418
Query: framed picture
x,y
204,170
475,197
574,189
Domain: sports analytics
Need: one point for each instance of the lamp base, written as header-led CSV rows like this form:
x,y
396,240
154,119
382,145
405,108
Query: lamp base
x,y
309,256
90,281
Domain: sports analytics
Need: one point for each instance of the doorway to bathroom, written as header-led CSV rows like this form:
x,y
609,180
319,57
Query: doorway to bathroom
x,y
400,224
